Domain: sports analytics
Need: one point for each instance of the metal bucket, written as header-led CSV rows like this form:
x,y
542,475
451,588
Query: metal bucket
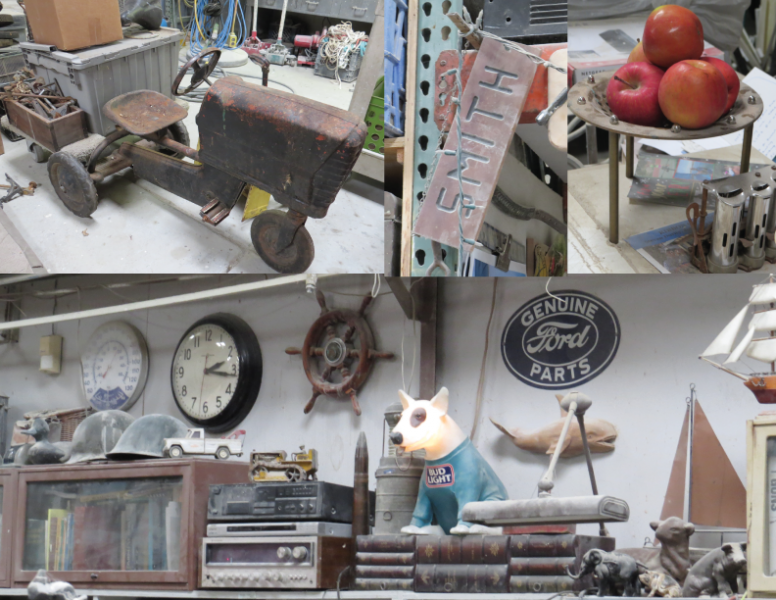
x,y
398,480
758,208
723,255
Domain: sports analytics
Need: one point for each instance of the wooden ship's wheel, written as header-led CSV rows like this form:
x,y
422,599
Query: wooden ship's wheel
x,y
338,353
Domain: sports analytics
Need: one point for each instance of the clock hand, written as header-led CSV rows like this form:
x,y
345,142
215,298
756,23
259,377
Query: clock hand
x,y
215,366
221,373
202,387
110,364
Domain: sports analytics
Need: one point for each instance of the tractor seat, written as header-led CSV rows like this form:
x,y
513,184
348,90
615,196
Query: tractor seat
x,y
144,112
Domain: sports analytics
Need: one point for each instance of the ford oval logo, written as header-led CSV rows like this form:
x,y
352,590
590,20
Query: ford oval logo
x,y
560,341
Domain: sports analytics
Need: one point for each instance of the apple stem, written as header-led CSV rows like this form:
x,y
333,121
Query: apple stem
x,y
624,82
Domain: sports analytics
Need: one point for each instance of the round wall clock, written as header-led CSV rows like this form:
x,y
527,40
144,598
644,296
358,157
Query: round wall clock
x,y
114,366
216,372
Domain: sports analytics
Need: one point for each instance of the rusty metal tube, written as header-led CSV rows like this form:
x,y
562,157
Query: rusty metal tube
x,y
614,184
170,143
746,149
112,137
629,158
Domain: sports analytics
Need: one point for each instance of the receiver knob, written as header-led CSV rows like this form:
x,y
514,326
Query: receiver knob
x,y
300,553
284,552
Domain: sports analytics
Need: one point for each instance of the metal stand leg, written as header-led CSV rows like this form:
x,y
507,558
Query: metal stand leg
x,y
629,156
592,144
614,188
746,150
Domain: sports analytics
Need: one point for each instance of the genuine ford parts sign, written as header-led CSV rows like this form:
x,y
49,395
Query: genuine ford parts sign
x,y
559,341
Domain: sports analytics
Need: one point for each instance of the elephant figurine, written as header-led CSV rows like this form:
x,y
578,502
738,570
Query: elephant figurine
x,y
615,574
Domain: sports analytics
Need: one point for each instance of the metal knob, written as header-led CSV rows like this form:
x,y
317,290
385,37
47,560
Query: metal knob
x,y
300,553
284,552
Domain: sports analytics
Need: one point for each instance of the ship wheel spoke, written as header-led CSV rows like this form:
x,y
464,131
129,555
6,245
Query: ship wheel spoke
x,y
354,402
311,403
331,333
326,373
316,351
348,333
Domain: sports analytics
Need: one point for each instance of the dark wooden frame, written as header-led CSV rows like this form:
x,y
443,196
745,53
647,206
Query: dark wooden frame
x,y
197,475
8,480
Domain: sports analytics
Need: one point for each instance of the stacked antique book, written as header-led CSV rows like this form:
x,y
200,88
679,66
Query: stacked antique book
x,y
518,563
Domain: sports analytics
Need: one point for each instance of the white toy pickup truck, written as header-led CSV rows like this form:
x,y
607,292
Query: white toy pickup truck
x,y
195,442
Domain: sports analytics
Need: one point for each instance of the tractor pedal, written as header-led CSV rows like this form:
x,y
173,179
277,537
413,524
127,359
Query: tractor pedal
x,y
214,212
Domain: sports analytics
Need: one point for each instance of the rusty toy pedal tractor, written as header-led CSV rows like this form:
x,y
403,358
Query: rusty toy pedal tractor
x,y
298,150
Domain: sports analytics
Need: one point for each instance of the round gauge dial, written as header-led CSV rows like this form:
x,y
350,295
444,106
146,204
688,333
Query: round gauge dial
x,y
114,366
216,372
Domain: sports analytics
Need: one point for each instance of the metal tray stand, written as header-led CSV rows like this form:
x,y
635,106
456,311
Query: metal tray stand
x,y
587,100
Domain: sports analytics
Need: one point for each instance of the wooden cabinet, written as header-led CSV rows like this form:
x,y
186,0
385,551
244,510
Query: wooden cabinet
x,y
8,478
133,525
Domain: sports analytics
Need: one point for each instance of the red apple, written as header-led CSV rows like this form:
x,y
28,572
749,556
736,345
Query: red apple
x,y
632,94
637,54
672,33
731,78
693,94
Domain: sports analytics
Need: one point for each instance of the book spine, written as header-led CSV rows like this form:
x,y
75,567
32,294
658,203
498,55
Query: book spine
x,y
541,566
384,584
385,558
461,579
385,543
542,545
381,572
536,584
495,549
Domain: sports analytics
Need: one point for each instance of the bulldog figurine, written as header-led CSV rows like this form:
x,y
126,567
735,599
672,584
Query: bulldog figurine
x,y
455,472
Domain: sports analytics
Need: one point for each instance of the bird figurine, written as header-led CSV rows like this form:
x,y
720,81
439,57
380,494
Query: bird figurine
x,y
600,436
41,451
44,588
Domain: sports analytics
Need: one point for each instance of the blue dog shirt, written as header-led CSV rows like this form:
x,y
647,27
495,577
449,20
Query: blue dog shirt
x,y
451,482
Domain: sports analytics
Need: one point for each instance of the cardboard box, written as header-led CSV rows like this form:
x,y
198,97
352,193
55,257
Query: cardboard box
x,y
74,24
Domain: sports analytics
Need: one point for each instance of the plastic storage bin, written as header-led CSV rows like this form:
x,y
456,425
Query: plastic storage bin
x,y
95,75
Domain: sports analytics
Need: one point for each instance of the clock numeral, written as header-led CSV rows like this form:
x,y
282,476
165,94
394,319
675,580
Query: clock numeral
x,y
228,389
183,391
204,407
193,401
234,369
230,352
218,401
208,335
180,371
196,341
136,371
187,354
133,379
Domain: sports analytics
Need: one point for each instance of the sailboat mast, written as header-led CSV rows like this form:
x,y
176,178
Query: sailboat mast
x,y
690,435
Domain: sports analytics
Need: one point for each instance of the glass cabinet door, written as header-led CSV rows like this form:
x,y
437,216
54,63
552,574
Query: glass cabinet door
x,y
103,525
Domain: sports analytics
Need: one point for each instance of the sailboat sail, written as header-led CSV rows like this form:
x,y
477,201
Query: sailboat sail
x,y
724,342
762,350
764,293
717,498
764,321
736,354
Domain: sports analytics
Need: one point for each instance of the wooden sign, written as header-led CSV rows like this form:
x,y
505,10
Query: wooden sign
x,y
490,110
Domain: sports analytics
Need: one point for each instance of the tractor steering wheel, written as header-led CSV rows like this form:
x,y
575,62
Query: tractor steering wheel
x,y
202,70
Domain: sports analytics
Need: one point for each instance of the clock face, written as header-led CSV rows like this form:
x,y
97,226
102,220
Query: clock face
x,y
205,371
114,366
216,372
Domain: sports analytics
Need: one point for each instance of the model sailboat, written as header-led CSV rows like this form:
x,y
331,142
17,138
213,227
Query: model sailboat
x,y
703,488
758,342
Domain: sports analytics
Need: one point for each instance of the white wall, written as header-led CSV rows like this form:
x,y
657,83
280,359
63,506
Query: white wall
x,y
666,322
280,319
